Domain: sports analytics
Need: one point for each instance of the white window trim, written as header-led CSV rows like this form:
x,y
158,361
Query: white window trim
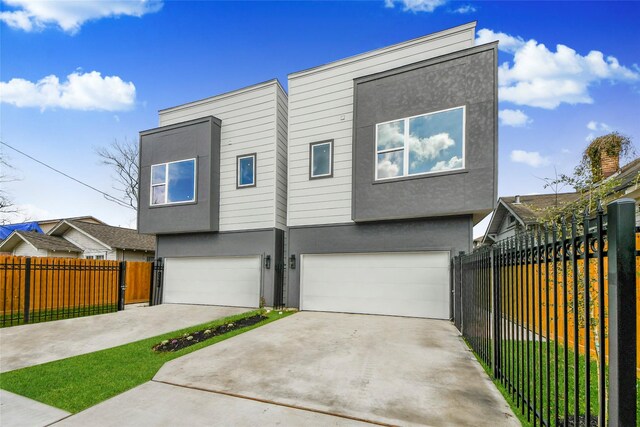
x,y
166,184
405,147
319,144
246,156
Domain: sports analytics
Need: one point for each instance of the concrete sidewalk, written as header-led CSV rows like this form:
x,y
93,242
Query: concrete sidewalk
x,y
18,411
34,344
157,404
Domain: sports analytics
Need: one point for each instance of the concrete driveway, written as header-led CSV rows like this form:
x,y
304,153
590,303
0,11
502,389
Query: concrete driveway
x,y
323,369
29,345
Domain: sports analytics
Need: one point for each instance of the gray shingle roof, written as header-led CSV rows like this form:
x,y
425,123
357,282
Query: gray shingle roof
x,y
50,243
118,237
531,208
629,174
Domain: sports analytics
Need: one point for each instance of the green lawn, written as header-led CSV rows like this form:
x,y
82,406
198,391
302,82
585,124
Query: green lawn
x,y
77,383
514,348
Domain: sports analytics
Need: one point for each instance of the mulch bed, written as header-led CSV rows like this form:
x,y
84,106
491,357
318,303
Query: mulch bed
x,y
188,339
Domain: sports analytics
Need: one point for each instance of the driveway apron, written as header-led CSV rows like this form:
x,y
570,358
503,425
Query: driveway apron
x,y
390,370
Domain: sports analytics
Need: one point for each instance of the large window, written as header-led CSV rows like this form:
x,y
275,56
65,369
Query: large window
x,y
173,182
321,159
419,145
246,171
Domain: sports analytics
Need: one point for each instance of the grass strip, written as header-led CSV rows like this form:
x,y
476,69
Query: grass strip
x,y
540,376
76,383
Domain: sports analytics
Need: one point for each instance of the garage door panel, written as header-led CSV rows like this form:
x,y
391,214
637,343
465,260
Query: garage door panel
x,y
233,281
405,284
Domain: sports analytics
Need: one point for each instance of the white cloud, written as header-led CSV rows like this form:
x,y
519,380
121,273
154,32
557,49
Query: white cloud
x,y
24,213
515,118
453,163
539,77
598,126
463,10
87,91
416,5
70,15
507,43
531,158
429,148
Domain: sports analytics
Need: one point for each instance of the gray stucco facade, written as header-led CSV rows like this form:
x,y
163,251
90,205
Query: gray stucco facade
x,y
195,139
264,243
466,78
451,234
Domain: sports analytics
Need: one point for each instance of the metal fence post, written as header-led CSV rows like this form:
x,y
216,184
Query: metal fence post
x,y
622,313
495,311
151,277
121,284
460,255
27,290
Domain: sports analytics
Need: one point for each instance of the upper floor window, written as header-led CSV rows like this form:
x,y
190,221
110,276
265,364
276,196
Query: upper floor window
x,y
422,144
173,182
246,170
321,159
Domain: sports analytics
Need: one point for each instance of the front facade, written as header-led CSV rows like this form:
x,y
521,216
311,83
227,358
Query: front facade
x,y
413,137
221,234
370,177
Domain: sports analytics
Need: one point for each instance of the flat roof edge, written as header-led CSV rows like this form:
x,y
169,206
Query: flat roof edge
x,y
361,56
222,96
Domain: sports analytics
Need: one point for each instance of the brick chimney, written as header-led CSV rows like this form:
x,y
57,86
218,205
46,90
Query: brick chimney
x,y
609,164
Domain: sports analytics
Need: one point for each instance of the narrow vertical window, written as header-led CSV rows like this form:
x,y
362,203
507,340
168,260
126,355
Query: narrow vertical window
x,y
321,159
246,171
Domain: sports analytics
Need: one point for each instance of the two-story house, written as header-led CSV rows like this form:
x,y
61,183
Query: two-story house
x,y
213,188
364,182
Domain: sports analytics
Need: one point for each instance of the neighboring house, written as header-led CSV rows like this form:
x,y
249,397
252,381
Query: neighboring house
x,y
79,239
514,214
519,213
33,243
366,181
629,176
47,224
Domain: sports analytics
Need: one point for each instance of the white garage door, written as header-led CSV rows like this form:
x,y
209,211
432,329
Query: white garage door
x,y
402,284
233,281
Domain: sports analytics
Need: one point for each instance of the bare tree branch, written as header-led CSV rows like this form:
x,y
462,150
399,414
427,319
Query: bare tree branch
x,y
122,158
7,206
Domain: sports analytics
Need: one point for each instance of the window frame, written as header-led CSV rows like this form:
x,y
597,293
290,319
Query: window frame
x,y
311,147
166,183
405,154
255,170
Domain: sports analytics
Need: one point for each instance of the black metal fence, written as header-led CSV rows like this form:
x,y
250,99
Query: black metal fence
x,y
157,280
537,309
35,290
278,286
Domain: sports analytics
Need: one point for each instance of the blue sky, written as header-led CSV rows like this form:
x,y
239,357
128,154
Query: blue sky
x,y
110,65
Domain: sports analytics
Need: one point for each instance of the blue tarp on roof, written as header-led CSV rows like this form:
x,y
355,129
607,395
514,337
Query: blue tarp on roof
x,y
6,230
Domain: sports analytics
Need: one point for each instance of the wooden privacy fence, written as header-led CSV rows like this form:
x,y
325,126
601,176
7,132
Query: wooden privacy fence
x,y
552,279
35,289
137,281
